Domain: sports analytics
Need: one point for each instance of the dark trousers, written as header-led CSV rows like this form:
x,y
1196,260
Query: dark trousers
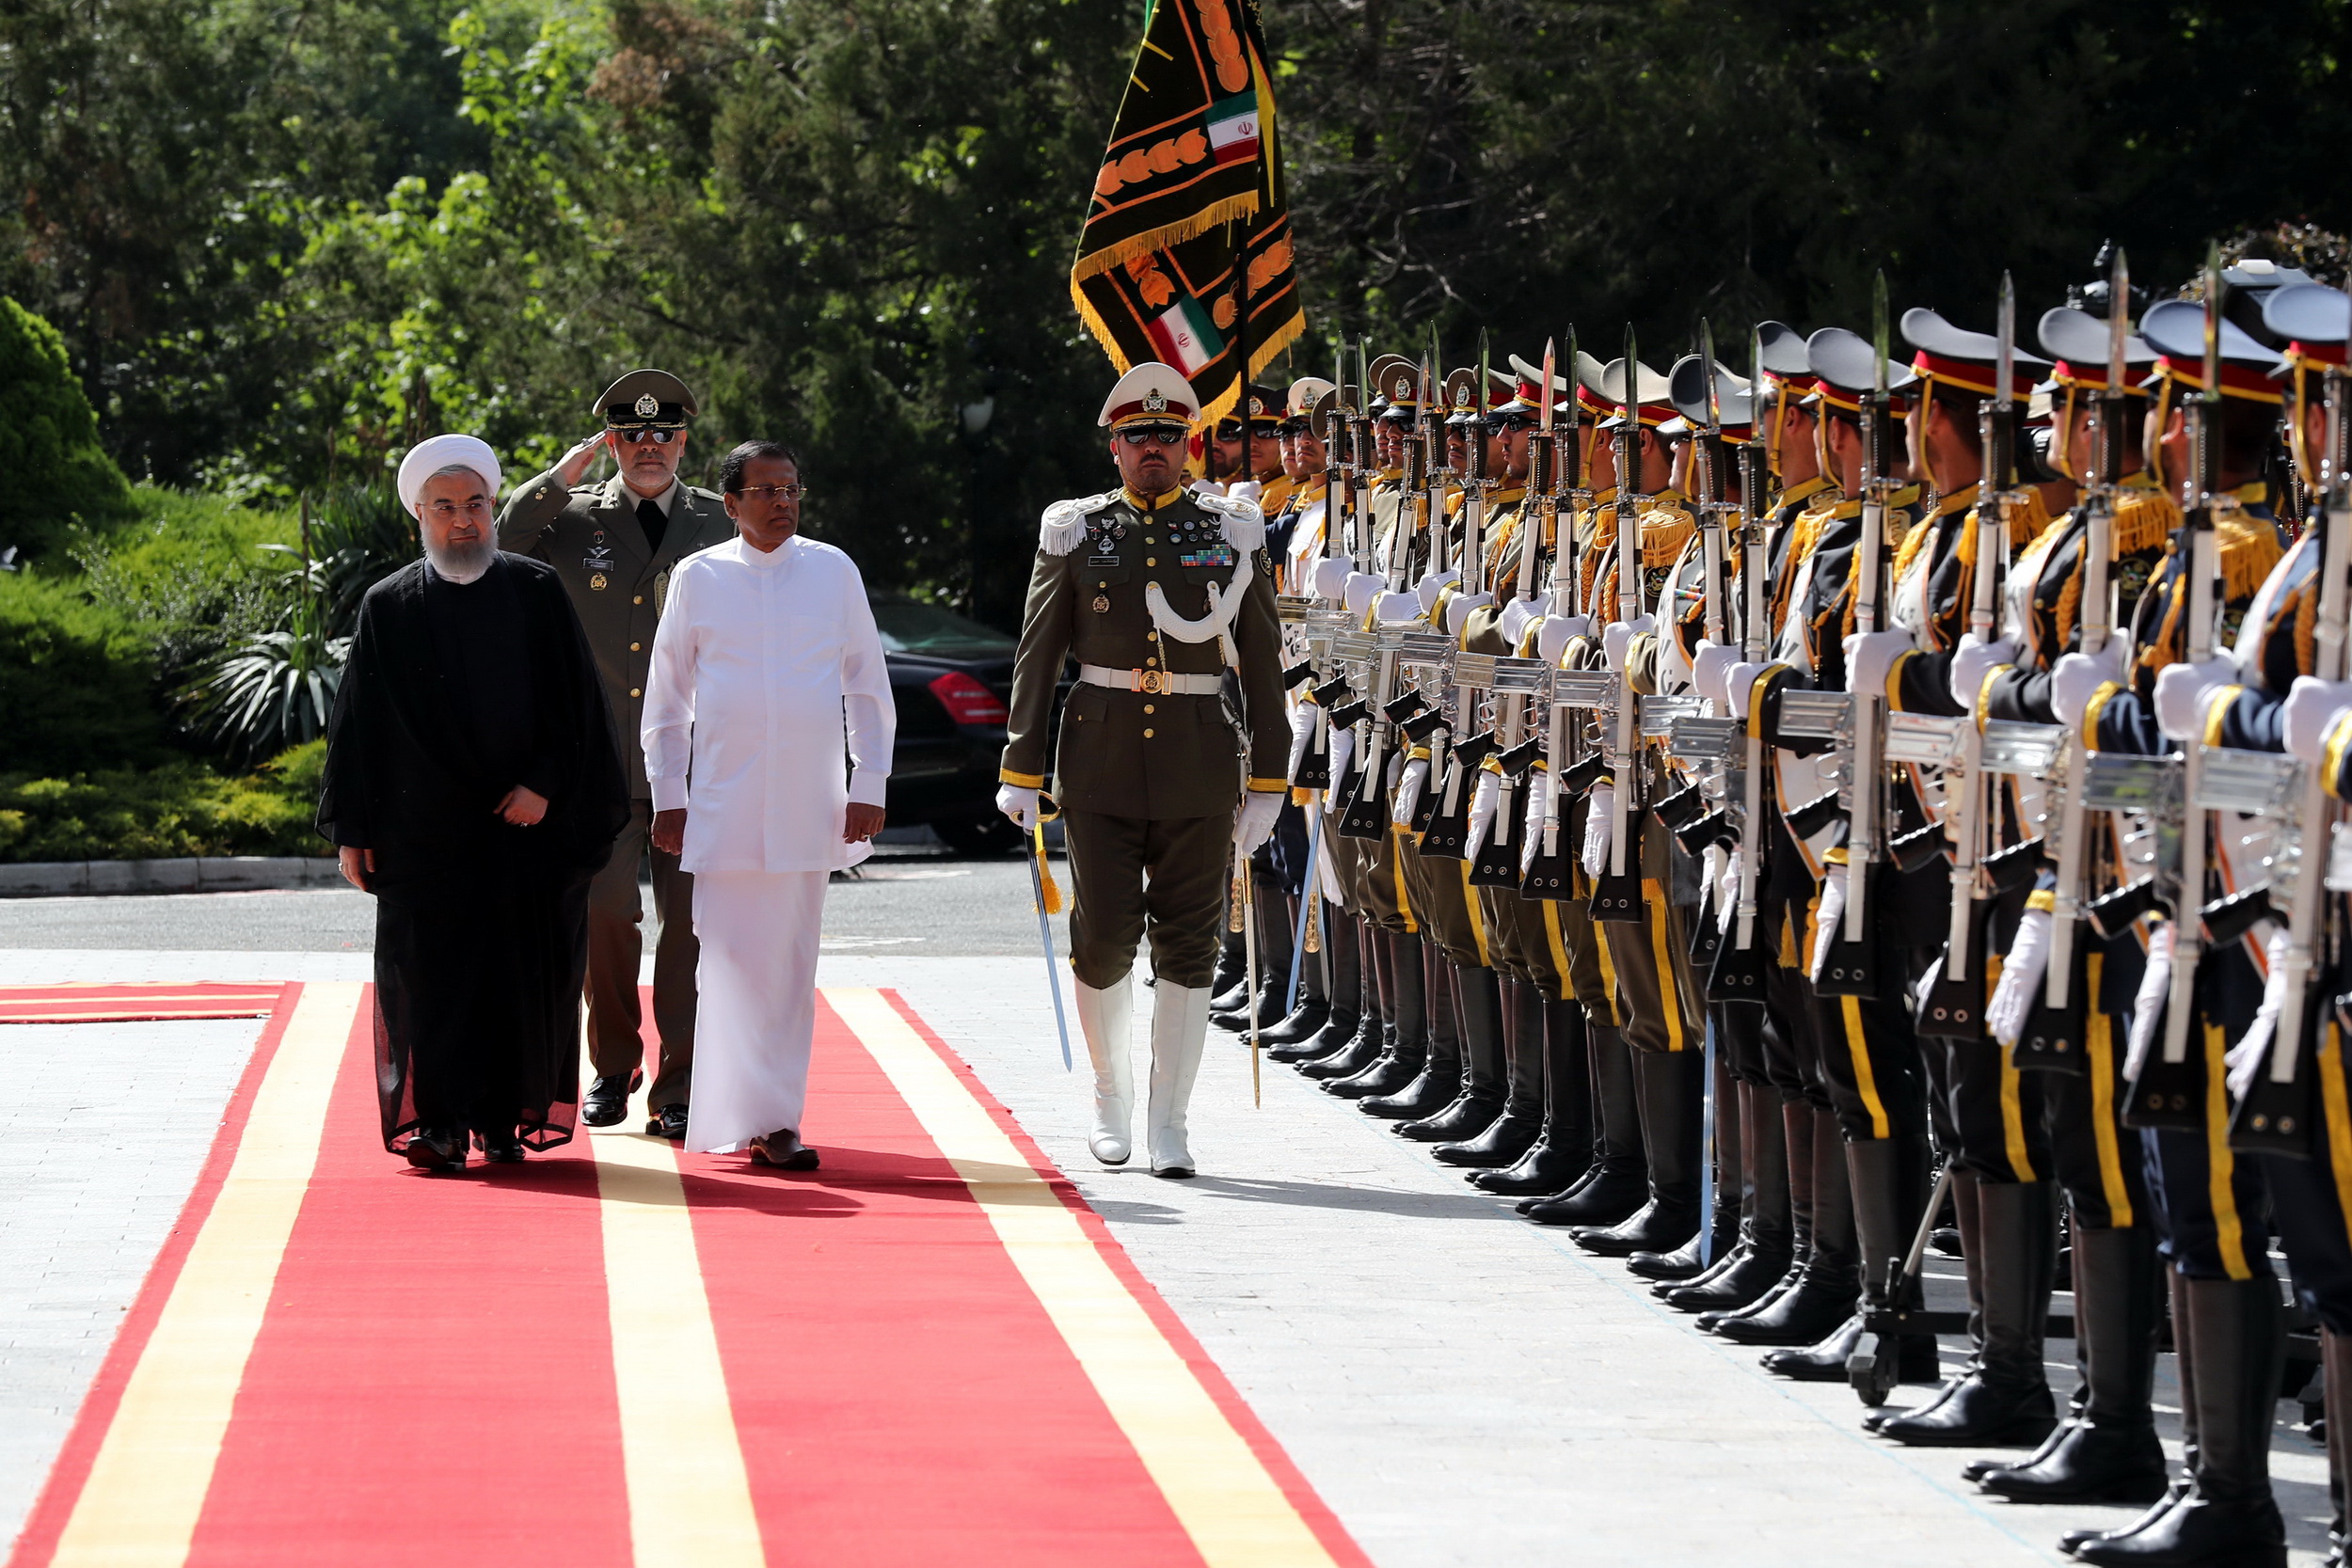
x,y
1133,877
615,1045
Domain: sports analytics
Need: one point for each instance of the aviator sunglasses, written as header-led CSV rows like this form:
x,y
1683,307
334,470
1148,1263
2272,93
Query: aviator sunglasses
x,y
1159,435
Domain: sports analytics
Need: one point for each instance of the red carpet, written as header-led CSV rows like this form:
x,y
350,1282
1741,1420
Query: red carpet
x,y
133,1003
434,1377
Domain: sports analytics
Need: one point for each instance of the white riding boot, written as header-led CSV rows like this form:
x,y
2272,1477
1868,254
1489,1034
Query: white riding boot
x,y
1180,1026
1102,1017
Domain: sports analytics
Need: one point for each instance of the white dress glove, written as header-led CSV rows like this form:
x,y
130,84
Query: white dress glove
x,y
1018,803
1342,747
1727,894
1868,657
1539,789
1828,917
1408,788
2244,1059
1397,609
1513,621
1362,588
2155,983
1707,670
1599,820
1431,585
1551,638
2311,707
2077,677
1302,734
1740,688
2021,970
1620,636
1484,800
1331,574
1973,661
1255,824
2182,691
1457,611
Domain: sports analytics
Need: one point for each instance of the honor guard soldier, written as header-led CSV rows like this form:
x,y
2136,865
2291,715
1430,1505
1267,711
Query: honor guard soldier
x,y
615,545
1156,593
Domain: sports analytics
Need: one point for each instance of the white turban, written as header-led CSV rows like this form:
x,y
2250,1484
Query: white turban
x,y
429,457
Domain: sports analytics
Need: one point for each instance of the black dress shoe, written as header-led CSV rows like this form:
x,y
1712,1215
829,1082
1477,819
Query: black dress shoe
x,y
608,1100
1752,1272
2087,1461
1605,1198
442,1153
1337,1031
1372,1039
1823,1298
1985,1410
1658,1225
502,1151
783,1149
668,1122
1304,1023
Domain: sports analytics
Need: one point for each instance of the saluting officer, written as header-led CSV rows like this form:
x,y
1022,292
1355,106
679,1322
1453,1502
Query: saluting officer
x,y
1156,593
615,545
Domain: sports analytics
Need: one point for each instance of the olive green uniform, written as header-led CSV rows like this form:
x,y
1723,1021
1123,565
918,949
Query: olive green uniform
x,y
1146,780
617,581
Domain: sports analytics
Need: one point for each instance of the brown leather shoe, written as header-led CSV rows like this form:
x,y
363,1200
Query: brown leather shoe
x,y
784,1151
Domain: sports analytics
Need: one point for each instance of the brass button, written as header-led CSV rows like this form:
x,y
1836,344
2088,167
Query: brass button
x,y
634,693
1150,637
1149,540
634,646
1147,734
1151,661
1148,709
1102,585
1148,560
639,599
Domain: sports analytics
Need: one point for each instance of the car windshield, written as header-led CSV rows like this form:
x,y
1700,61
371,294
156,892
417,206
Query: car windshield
x,y
910,627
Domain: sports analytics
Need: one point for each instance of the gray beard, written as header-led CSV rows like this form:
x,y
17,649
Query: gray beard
x,y
465,563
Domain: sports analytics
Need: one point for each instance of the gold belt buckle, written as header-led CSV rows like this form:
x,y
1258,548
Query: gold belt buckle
x,y
1152,683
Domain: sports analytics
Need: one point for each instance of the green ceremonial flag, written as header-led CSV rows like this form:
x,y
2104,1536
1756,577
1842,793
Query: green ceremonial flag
x,y
1193,174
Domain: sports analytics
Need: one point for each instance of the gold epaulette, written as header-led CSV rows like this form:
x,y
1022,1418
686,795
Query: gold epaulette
x,y
1916,540
2145,517
2026,525
1665,528
2249,548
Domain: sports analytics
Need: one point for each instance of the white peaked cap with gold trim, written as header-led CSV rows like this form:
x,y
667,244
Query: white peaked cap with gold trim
x,y
1150,391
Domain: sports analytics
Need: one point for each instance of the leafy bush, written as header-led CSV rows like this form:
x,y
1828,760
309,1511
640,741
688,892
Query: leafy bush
x,y
77,682
58,472
182,808
189,573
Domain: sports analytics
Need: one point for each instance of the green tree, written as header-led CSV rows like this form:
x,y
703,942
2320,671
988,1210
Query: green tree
x,y
58,473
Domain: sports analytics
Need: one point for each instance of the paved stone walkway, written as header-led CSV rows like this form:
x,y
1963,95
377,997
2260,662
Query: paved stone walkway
x,y
1462,1387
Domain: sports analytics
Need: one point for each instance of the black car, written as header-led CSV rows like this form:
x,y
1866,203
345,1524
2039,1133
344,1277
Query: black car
x,y
951,678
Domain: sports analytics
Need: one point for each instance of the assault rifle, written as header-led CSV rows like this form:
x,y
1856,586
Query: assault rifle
x,y
1617,893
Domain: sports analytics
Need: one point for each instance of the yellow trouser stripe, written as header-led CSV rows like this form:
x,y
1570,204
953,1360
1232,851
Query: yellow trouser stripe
x,y
2220,1164
1396,869
2013,1102
1477,917
1559,949
1235,1512
1865,1078
2338,1120
689,1497
1669,993
2098,1044
139,1505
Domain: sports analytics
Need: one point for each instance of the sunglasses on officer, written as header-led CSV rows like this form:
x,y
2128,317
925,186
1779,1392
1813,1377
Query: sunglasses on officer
x,y
1158,435
1263,430
1504,424
633,435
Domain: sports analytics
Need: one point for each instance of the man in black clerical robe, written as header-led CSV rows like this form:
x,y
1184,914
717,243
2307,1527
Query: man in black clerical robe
x,y
473,786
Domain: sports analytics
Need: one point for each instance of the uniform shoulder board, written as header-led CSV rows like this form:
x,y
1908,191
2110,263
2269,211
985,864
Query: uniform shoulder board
x,y
1065,522
1243,524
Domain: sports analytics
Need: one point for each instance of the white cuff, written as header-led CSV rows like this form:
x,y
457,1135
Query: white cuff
x,y
669,794
869,787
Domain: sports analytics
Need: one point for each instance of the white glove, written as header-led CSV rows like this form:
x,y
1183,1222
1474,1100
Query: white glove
x,y
1393,610
1255,824
1714,661
2182,690
1620,636
1342,747
1018,803
1331,574
1553,636
1711,870
2155,983
1303,720
1457,611
1513,621
1363,587
1870,656
1484,800
1972,662
1539,789
1740,688
2077,677
1244,489
2244,1059
2021,970
1827,917
1599,818
1408,790
2311,707
1727,894
1431,585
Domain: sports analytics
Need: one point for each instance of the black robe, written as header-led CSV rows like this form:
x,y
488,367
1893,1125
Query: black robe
x,y
452,695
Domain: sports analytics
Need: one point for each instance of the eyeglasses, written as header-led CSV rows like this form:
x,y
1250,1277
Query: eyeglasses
x,y
773,492
1161,435
1500,424
1262,430
660,438
449,511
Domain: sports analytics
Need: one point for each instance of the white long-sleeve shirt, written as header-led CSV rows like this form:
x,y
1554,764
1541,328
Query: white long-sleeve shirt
x,y
766,667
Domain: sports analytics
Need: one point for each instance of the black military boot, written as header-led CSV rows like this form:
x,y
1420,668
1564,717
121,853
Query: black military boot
x,y
1884,1181
1618,1181
1345,999
1796,1121
2227,1517
1439,1079
1768,1242
1829,1283
2335,1370
1226,982
1275,910
1407,1047
1964,1223
2185,1354
1313,1006
2005,1399
1563,1150
1672,1085
1709,1250
2109,1452
1478,1016
1511,1135
1379,1023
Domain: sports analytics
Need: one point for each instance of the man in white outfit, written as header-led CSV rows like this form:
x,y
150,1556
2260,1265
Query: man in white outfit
x,y
767,669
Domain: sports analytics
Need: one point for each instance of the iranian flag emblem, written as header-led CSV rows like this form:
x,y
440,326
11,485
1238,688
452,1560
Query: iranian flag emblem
x,y
1232,126
1186,336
